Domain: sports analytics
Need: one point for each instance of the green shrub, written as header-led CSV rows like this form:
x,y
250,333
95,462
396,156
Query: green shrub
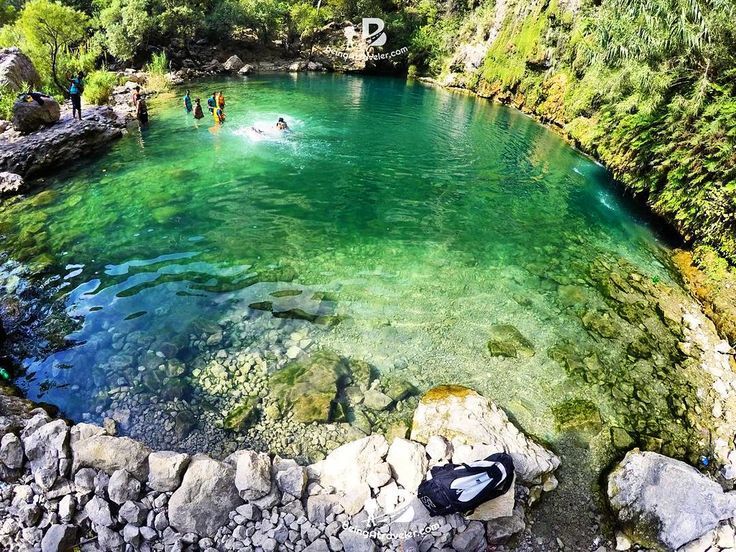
x,y
157,69
98,86
7,99
159,64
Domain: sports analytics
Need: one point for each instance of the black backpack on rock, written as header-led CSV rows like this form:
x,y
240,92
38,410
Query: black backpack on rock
x,y
460,488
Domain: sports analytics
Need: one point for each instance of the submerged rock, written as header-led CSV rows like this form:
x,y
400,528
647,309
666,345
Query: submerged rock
x,y
465,417
242,415
309,387
506,341
664,502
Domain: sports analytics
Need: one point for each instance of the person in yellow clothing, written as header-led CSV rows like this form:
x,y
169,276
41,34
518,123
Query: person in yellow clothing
x,y
219,116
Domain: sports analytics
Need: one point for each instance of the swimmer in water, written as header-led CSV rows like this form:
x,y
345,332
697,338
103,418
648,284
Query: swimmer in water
x,y
256,130
281,124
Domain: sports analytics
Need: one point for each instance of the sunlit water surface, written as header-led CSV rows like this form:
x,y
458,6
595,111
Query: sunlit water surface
x,y
396,221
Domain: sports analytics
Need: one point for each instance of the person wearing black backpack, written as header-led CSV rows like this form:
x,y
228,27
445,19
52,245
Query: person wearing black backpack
x,y
75,94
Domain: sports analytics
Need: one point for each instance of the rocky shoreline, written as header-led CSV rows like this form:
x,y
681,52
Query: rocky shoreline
x,y
64,486
79,485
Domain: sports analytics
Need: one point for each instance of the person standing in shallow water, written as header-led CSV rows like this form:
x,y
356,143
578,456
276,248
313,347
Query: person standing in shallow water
x,y
141,111
221,101
212,102
75,94
135,96
187,103
198,109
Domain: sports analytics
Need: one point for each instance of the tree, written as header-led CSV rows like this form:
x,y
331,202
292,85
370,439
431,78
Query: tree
x,y
53,29
7,12
126,27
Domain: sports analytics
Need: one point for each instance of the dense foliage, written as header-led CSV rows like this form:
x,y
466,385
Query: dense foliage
x,y
648,86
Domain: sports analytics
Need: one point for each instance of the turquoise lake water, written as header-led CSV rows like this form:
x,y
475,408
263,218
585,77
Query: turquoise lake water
x,y
394,223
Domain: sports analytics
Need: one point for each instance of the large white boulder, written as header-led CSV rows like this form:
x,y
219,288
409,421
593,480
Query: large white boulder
x,y
465,417
408,462
17,70
660,501
353,469
205,498
165,469
106,453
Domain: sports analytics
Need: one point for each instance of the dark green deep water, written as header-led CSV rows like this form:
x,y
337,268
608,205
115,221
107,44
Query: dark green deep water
x,y
400,221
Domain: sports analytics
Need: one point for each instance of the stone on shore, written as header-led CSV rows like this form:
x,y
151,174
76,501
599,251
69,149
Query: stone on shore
x,y
165,469
408,462
46,446
473,539
56,145
205,498
246,69
109,454
233,64
660,501
29,115
17,70
10,183
123,487
98,511
353,469
252,473
291,478
465,417
59,538
11,451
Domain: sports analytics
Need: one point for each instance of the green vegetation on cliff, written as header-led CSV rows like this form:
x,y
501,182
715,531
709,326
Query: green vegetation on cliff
x,y
648,87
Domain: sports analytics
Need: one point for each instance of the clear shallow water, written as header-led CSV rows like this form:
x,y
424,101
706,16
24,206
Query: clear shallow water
x,y
394,224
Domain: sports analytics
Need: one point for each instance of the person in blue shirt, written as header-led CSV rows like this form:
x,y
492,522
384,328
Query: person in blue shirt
x,y
212,102
75,94
187,103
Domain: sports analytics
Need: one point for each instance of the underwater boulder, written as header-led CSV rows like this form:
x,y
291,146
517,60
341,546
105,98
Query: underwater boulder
x,y
506,341
309,387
